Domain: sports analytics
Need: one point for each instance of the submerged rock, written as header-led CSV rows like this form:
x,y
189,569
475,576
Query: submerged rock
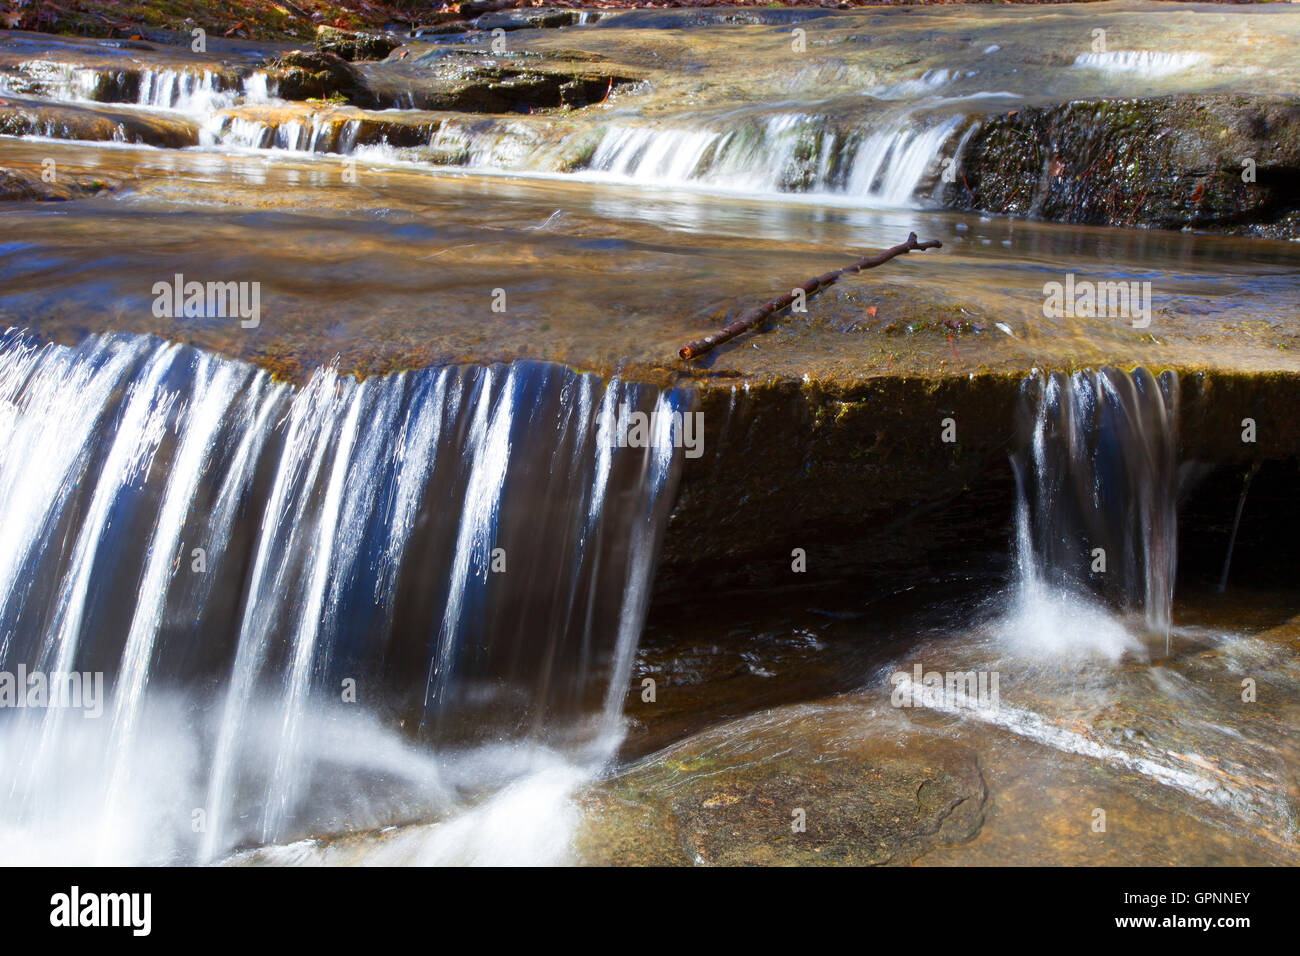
x,y
23,117
528,19
23,185
1186,769
802,785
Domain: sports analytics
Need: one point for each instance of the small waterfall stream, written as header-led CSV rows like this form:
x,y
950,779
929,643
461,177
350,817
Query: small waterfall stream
x,y
876,148
274,582
1097,482
886,161
196,91
891,159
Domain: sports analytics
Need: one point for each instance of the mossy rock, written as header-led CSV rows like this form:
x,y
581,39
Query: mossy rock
x,y
355,46
1226,163
318,75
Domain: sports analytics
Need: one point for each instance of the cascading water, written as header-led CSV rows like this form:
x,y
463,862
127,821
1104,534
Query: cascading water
x,y
883,144
196,91
273,583
783,153
1097,479
887,160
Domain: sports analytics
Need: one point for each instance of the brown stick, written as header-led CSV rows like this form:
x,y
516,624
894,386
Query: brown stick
x,y
757,314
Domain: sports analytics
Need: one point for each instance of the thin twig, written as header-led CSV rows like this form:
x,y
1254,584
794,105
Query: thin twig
x,y
756,315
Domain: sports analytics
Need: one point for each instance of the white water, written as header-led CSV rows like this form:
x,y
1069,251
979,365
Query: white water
x,y
1096,466
884,154
316,134
59,81
885,165
188,91
345,531
530,821
489,451
52,403
1163,769
196,92
1096,516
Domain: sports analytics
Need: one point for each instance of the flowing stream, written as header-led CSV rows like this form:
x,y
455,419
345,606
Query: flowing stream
x,y
358,548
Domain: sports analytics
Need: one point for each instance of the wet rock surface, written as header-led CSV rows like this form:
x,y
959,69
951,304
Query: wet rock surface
x,y
1186,771
355,46
25,117
864,476
26,185
473,82
319,74
1229,163
465,81
733,796
529,19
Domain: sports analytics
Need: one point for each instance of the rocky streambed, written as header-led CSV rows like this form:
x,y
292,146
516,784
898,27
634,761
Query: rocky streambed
x,y
1008,111
598,191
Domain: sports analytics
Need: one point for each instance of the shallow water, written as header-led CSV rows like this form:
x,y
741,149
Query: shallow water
x,y
693,199
400,270
744,733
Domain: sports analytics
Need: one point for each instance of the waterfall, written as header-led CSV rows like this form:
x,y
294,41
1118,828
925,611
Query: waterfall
x,y
884,145
61,81
884,160
313,134
1097,477
298,598
187,90
794,153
